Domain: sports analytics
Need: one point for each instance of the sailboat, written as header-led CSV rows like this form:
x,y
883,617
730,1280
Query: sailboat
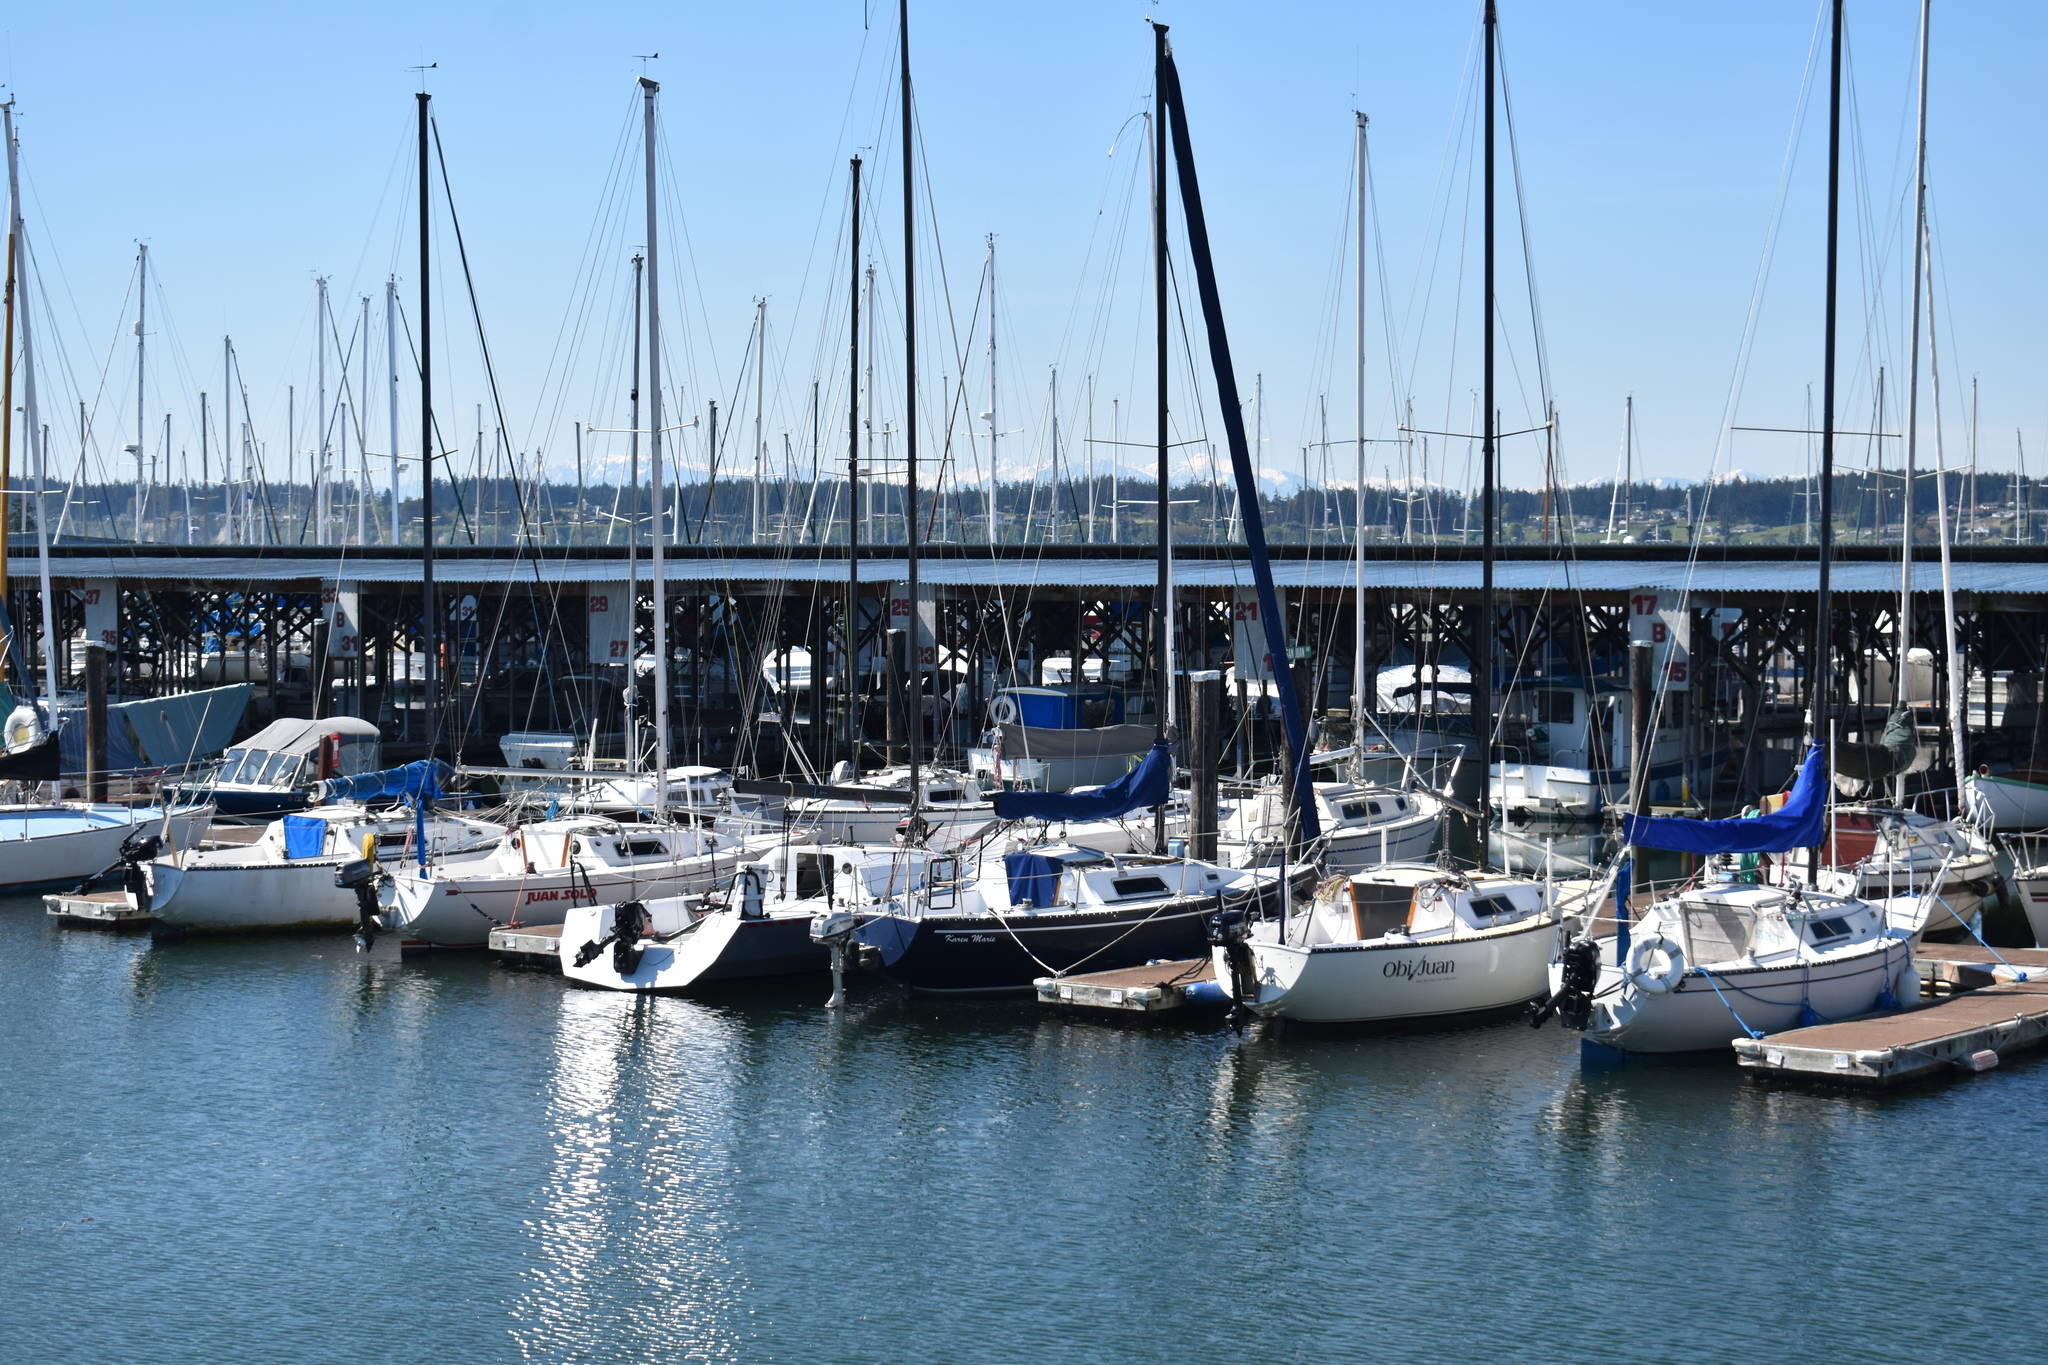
x,y
456,900
973,922
45,845
1723,956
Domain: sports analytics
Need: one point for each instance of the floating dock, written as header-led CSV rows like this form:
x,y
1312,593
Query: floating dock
x,y
1997,1005
1157,988
96,910
528,945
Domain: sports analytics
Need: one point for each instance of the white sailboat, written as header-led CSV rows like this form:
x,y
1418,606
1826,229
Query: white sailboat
x,y
1401,944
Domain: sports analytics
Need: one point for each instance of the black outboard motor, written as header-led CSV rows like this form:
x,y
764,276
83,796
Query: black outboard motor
x,y
1230,929
631,923
1573,1002
360,876
134,853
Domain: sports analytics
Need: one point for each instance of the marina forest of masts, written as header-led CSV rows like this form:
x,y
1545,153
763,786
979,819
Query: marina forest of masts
x,y
807,508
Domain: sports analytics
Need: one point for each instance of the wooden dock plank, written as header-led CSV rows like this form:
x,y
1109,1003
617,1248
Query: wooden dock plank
x,y
1150,989
1970,1032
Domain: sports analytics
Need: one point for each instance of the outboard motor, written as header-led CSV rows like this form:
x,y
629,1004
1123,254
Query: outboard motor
x,y
631,923
1230,929
360,876
1573,1002
834,930
134,853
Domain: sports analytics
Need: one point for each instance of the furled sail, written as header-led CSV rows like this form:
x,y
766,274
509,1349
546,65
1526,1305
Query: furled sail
x,y
1144,785
412,781
1799,823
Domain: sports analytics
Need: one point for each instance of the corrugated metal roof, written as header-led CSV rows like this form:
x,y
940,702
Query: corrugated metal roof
x,y
1709,578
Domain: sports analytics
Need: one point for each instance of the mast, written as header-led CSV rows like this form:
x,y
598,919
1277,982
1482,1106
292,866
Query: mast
x,y
1819,661
994,475
391,398
915,728
1482,632
7,448
141,369
1358,690
760,402
1163,611
430,613
649,89
851,663
363,429
1902,676
320,420
32,429
634,512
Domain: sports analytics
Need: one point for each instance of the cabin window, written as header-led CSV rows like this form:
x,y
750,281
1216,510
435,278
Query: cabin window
x,y
385,841
813,875
281,769
1354,810
1493,907
943,796
1557,708
1827,930
1400,803
640,848
1139,886
1376,808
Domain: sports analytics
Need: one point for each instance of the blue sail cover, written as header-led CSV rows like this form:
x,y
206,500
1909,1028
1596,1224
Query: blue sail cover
x,y
1144,785
412,781
1034,879
304,836
1800,823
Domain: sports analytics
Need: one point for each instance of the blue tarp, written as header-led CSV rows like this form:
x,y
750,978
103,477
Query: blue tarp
x,y
1800,823
304,836
157,732
1144,785
1034,879
407,782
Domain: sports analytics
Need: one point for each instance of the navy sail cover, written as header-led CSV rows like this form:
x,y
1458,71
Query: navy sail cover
x,y
423,780
1144,785
1800,823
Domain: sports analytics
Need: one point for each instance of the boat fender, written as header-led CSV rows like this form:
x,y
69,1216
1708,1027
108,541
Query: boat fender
x,y
1906,990
1655,964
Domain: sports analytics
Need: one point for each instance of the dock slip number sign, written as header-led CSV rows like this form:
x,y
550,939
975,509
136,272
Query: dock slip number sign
x,y
340,609
101,598
608,607
1658,618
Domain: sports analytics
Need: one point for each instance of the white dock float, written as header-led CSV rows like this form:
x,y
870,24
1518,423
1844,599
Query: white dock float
x,y
1964,1033
96,910
1155,988
528,945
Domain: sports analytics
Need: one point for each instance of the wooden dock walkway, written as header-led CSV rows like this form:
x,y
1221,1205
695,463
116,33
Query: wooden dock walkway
x,y
1154,989
528,945
1995,1005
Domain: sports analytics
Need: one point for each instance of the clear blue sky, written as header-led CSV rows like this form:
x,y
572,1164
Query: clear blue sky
x,y
254,146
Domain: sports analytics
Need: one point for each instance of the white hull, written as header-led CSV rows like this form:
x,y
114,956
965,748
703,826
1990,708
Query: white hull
x,y
227,898
89,843
708,948
1691,1017
2011,803
1379,982
1404,841
2031,886
447,909
844,823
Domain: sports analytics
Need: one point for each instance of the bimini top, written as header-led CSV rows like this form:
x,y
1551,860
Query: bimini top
x,y
304,736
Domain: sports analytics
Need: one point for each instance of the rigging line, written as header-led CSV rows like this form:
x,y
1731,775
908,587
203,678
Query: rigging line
x,y
1522,214
36,277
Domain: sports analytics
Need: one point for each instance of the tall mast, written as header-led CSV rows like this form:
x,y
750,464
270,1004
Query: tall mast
x,y
635,510
1163,611
851,664
1819,661
391,395
1902,674
994,476
320,421
656,570
910,528
363,446
229,483
141,359
32,429
430,614
1358,689
1482,632
760,402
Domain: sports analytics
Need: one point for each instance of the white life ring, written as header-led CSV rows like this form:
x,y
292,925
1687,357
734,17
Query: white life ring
x,y
1655,964
1003,711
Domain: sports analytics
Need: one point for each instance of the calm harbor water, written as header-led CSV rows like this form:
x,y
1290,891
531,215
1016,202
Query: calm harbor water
x,y
280,1150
